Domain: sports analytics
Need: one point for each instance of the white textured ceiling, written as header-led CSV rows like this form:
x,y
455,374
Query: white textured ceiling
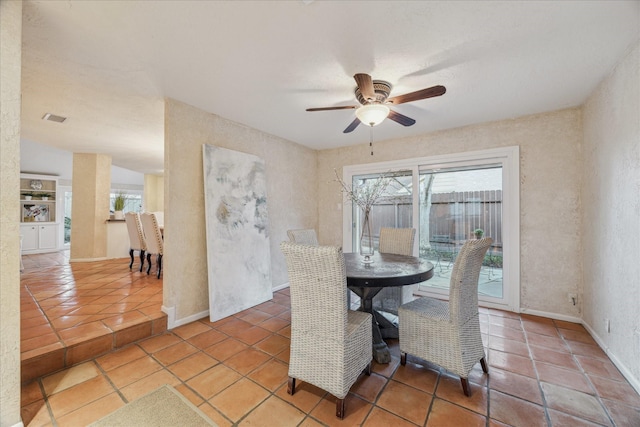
x,y
106,65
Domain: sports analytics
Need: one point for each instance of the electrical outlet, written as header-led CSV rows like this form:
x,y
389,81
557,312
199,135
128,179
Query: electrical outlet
x,y
607,325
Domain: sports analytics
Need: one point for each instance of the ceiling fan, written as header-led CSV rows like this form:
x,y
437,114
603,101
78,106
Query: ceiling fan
x,y
373,96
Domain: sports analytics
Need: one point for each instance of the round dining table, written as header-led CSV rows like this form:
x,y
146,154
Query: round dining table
x,y
367,279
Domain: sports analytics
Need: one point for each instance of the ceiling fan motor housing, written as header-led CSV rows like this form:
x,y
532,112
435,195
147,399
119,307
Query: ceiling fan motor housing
x,y
382,89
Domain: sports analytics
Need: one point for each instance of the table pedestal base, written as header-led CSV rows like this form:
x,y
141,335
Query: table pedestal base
x,y
387,329
366,280
381,352
382,327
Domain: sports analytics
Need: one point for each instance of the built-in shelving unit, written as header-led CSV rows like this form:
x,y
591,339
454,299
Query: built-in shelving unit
x,y
38,225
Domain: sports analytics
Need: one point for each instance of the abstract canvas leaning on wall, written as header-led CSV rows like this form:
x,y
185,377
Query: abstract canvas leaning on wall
x,y
237,225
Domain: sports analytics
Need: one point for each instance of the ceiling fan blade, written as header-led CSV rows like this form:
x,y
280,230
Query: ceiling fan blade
x,y
365,84
346,107
417,95
354,124
400,118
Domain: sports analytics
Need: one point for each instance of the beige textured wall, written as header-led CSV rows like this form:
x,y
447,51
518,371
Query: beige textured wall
x,y
291,180
91,184
10,51
550,147
611,221
153,198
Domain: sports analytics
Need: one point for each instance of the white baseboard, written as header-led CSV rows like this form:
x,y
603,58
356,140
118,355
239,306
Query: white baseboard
x,y
635,382
88,259
278,288
172,322
171,315
555,316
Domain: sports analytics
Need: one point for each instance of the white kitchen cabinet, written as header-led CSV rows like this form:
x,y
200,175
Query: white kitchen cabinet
x,y
39,237
29,235
38,225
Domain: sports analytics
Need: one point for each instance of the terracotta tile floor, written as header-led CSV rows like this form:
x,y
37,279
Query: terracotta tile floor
x,y
542,372
73,313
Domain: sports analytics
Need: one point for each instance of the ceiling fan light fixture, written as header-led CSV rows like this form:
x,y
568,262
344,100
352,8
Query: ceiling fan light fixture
x,y
372,114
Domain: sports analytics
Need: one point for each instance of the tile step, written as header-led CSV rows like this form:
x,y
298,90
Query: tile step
x,y
57,356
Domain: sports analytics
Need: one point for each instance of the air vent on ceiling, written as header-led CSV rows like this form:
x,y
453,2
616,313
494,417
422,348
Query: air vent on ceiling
x,y
54,118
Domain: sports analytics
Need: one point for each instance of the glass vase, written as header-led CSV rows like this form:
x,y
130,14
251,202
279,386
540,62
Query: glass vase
x,y
366,237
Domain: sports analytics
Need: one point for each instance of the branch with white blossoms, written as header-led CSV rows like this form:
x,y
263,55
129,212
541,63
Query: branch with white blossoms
x,y
366,194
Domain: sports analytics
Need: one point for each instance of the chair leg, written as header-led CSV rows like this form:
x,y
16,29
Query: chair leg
x,y
367,370
340,408
291,386
148,262
141,260
465,386
485,367
159,264
403,358
131,255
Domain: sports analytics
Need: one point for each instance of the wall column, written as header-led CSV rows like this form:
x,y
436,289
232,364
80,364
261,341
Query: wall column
x,y
11,47
153,199
90,206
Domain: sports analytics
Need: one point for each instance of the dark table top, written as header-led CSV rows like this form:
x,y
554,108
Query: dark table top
x,y
386,270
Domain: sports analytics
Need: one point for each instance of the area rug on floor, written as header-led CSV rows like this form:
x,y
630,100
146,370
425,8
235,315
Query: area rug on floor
x,y
162,407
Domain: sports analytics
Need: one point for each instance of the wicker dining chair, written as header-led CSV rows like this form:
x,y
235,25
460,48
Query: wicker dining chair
x,y
448,333
137,241
330,344
155,243
395,241
305,236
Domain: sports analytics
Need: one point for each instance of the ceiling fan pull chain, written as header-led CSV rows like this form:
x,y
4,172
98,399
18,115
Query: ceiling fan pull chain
x,y
371,139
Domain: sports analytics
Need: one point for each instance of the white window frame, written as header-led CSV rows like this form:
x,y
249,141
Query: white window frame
x,y
509,158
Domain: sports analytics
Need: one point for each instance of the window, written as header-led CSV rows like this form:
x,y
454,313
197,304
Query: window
x,y
133,202
456,195
458,204
394,209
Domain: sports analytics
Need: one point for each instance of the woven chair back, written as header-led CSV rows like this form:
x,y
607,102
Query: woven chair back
x,y
152,233
134,228
318,288
305,236
463,287
397,241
